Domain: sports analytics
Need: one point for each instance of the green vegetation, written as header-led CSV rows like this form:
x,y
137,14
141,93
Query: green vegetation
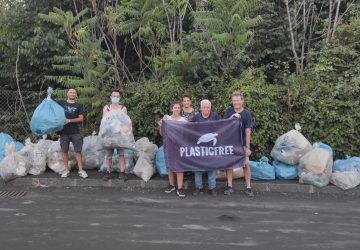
x,y
295,61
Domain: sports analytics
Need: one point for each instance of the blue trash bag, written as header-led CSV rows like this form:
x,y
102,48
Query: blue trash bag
x,y
262,170
4,138
48,117
160,162
18,146
324,146
129,161
285,171
348,164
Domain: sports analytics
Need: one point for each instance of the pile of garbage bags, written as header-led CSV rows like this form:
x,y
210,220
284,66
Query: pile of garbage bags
x,y
7,139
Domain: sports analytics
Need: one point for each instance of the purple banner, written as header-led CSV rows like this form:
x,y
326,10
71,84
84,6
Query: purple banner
x,y
203,146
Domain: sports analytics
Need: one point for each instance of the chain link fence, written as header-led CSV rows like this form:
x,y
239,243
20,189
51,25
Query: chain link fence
x,y
16,111
15,117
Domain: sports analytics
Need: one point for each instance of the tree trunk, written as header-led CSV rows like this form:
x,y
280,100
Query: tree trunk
x,y
293,49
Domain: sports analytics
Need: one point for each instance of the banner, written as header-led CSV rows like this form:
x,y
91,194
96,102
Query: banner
x,y
203,146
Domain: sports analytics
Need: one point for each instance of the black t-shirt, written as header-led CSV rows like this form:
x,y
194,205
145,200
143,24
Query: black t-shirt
x,y
72,111
246,120
199,118
189,115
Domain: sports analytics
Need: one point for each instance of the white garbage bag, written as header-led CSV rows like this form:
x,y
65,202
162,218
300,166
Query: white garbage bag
x,y
290,147
315,167
145,155
54,157
116,130
13,165
346,179
36,155
237,174
93,153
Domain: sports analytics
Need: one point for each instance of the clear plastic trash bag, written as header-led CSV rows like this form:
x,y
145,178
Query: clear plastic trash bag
x,y
93,153
290,147
145,155
13,165
315,167
36,155
345,179
237,174
116,130
55,160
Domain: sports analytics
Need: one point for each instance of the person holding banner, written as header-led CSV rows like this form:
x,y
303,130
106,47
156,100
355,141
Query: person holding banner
x,y
175,108
238,110
187,110
205,115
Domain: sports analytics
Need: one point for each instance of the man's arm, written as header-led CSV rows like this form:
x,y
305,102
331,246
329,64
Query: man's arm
x,y
247,141
75,120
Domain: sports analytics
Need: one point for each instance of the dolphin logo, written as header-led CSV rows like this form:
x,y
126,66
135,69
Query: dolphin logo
x,y
207,138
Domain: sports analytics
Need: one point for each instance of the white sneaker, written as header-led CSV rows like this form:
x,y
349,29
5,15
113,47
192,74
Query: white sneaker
x,y
65,173
83,174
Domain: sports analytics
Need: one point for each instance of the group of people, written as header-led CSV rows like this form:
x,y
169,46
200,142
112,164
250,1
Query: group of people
x,y
74,113
184,112
180,111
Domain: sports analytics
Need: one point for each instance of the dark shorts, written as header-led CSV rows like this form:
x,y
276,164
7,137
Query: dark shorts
x,y
110,151
76,139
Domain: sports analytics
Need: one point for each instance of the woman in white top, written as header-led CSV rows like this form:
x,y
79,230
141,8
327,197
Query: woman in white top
x,y
175,108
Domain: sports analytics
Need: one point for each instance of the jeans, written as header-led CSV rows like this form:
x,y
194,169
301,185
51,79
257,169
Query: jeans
x,y
211,179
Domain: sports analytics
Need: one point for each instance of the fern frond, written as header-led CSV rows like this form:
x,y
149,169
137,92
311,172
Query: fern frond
x,y
80,14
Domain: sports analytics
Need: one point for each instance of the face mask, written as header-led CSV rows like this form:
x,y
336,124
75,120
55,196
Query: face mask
x,y
115,100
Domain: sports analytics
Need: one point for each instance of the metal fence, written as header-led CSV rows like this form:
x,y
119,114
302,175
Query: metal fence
x,y
15,116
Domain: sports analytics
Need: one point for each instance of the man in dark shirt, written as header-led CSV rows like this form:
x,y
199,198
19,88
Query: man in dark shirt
x,y
74,114
238,110
205,115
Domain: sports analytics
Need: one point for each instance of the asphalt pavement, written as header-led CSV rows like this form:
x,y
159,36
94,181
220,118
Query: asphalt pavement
x,y
118,218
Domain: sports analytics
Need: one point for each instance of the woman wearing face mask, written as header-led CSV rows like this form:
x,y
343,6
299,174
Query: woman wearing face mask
x,y
115,104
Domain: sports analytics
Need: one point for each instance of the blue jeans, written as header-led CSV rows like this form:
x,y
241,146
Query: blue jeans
x,y
211,179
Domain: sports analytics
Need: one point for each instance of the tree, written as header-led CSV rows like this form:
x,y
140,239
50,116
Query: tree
x,y
86,66
226,26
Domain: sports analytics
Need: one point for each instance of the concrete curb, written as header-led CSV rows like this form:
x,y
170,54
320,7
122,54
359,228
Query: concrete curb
x,y
158,183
